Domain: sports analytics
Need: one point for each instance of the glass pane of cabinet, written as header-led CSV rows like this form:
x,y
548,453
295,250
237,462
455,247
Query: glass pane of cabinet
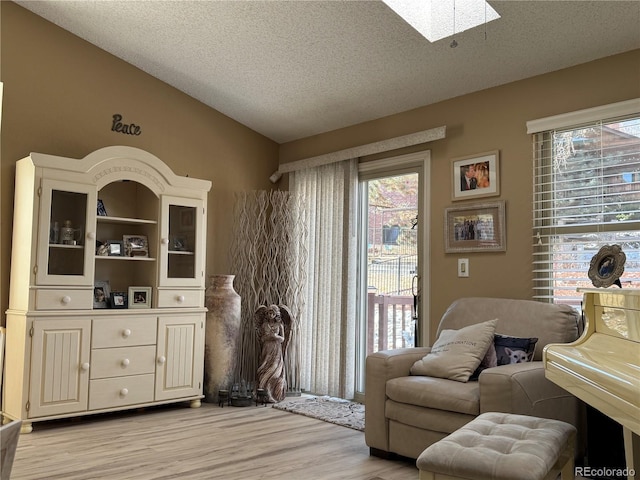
x,y
182,245
182,242
66,257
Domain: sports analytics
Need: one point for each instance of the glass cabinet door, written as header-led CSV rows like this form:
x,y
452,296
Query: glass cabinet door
x,y
67,218
182,245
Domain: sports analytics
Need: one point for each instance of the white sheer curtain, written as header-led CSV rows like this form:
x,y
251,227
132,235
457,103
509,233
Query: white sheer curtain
x,y
327,325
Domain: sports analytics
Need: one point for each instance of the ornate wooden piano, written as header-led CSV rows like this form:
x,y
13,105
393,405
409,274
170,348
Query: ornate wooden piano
x,y
602,367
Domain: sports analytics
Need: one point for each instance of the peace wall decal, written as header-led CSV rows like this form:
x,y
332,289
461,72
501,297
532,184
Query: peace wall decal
x,y
125,128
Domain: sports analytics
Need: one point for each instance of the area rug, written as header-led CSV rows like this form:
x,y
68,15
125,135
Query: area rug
x,y
329,409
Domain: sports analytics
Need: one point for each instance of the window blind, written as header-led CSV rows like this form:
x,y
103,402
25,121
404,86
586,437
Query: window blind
x,y
586,195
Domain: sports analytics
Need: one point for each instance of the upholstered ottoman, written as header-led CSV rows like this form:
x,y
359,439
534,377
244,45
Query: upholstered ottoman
x,y
501,446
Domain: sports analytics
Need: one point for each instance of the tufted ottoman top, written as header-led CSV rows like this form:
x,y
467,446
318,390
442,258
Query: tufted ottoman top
x,y
500,446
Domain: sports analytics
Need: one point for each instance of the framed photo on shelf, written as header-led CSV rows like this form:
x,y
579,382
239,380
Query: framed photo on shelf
x,y
118,300
101,293
475,176
607,266
475,228
139,297
135,246
115,248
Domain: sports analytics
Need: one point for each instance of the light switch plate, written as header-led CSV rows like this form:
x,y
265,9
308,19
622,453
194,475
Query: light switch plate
x,y
463,267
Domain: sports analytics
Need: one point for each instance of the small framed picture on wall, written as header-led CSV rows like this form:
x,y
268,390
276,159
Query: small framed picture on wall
x,y
475,176
475,228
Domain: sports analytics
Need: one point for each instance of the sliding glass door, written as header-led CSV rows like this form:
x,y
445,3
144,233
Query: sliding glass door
x,y
391,205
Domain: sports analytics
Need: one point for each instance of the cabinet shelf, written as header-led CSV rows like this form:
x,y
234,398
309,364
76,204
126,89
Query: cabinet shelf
x,y
180,252
126,259
63,246
125,220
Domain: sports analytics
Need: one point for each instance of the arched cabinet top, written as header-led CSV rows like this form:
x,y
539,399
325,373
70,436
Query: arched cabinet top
x,y
117,163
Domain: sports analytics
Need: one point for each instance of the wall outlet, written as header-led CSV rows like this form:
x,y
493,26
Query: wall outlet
x,y
463,267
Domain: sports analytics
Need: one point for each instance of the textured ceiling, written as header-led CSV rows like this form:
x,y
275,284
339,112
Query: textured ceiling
x,y
291,69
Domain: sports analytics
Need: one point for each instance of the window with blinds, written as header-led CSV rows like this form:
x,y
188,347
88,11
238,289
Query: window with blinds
x,y
586,195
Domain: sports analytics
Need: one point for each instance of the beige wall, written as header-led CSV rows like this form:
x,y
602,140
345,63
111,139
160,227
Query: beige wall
x,y
60,94
488,120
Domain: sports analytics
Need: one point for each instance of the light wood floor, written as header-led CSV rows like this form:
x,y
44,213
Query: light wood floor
x,y
209,442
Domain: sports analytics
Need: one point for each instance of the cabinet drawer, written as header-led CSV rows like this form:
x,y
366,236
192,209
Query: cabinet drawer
x,y
123,361
124,332
180,298
63,299
119,391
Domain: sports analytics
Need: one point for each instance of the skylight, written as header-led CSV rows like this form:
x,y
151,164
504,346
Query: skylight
x,y
434,19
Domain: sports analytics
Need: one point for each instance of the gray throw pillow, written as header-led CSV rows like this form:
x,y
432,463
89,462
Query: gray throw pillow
x,y
457,353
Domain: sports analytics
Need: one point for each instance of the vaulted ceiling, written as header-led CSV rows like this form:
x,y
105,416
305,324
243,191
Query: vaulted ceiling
x,y
296,68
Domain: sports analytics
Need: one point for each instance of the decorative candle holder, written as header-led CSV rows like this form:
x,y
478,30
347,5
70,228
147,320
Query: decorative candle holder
x,y
261,396
223,397
241,395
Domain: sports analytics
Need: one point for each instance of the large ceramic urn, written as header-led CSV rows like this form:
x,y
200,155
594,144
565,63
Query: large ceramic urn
x,y
221,335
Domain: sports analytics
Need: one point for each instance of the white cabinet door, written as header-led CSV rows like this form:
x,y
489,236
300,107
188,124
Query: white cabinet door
x,y
182,251
59,366
66,233
180,356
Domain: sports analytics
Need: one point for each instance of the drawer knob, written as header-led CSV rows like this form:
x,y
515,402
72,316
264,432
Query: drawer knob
x,y
125,362
165,241
66,299
85,366
124,392
180,298
91,235
126,333
162,359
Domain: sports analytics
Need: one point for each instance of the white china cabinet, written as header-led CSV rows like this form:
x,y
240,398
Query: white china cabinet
x,y
87,233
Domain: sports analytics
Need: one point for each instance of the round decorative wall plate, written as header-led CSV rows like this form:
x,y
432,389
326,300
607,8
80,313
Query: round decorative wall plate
x,y
607,266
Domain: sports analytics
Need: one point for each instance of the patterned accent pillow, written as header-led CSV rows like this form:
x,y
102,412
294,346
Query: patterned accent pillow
x,y
514,349
505,350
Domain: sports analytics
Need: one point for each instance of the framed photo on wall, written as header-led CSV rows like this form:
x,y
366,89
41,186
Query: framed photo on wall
x,y
475,228
139,297
475,176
